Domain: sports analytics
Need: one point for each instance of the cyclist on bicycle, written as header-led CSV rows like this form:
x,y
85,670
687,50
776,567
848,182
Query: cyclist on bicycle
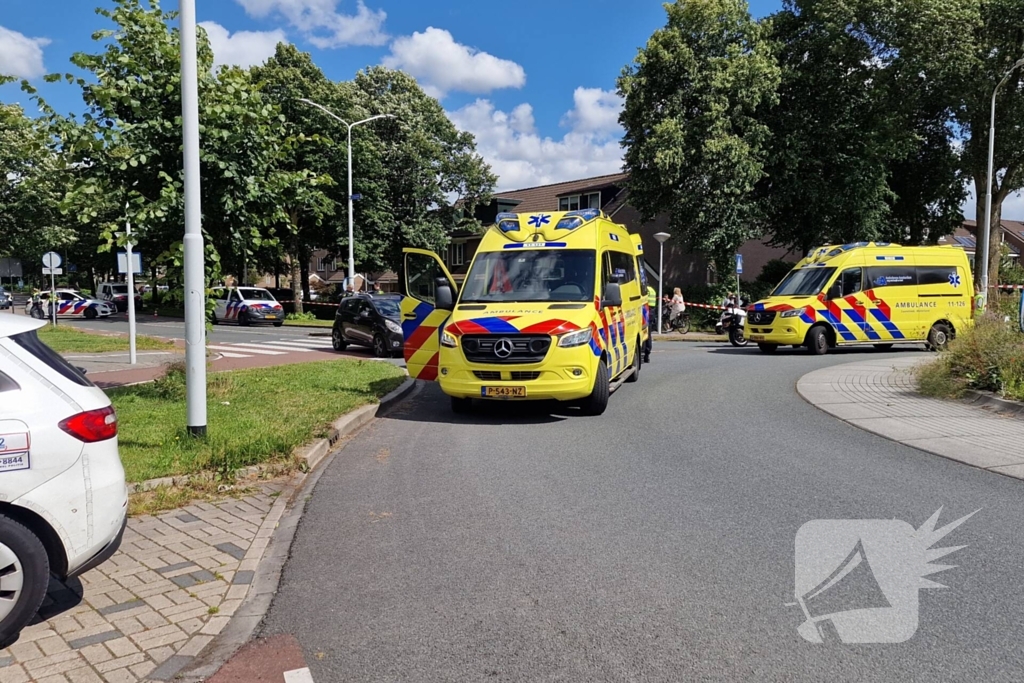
x,y
678,304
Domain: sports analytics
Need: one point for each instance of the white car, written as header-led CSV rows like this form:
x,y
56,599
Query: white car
x,y
63,499
71,304
246,305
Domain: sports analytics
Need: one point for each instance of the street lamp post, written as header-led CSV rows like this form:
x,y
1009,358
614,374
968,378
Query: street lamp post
x,y
661,237
984,237
350,126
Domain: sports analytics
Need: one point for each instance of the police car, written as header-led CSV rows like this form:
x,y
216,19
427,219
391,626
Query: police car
x,y
246,305
71,304
63,501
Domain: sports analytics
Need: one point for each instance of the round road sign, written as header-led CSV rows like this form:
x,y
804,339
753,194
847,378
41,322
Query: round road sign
x,y
51,259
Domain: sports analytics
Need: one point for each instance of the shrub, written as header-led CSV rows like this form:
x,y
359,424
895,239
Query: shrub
x,y
989,357
308,315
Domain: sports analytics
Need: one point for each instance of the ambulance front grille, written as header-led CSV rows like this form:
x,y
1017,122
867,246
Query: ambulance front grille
x,y
761,317
502,349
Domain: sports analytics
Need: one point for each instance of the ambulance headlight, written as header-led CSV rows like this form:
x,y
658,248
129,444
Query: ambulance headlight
x,y
577,338
393,326
448,340
791,314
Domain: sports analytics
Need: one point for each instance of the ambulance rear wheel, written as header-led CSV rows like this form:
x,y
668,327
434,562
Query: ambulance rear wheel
x,y
596,403
637,360
461,406
24,576
768,348
939,336
817,341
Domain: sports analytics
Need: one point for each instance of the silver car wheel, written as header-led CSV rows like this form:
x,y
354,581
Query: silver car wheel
x,y
12,580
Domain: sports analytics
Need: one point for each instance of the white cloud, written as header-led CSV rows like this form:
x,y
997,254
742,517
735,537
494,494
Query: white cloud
x,y
522,158
442,65
596,111
321,23
1013,206
243,48
20,55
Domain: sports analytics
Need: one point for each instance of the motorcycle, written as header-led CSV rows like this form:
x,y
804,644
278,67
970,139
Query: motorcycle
x,y
733,323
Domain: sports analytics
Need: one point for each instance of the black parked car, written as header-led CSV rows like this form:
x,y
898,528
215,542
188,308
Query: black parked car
x,y
372,320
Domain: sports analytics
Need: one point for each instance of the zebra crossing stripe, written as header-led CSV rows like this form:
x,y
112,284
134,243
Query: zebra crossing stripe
x,y
273,346
228,354
298,676
264,352
305,344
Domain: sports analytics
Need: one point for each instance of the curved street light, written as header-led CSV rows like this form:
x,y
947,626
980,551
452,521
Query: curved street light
x,y
984,237
350,126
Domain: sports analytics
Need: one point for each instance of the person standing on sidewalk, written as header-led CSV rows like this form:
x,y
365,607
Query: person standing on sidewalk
x,y
979,301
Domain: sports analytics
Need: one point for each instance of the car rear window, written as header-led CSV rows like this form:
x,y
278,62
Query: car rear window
x,y
31,342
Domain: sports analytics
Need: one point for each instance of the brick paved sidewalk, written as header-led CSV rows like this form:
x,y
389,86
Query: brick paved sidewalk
x,y
881,396
148,611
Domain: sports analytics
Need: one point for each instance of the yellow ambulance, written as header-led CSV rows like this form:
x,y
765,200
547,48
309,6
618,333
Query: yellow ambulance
x,y
551,308
867,293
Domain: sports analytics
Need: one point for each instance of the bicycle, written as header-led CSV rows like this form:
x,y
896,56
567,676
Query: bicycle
x,y
680,323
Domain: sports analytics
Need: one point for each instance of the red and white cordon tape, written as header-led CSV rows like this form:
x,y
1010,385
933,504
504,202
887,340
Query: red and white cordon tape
x,y
1011,287
711,306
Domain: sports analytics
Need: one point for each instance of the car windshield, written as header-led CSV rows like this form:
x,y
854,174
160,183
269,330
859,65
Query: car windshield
x,y
388,308
803,282
119,289
531,275
256,295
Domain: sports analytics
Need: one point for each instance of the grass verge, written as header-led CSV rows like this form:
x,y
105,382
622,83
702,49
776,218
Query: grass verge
x,y
67,339
988,357
309,323
253,416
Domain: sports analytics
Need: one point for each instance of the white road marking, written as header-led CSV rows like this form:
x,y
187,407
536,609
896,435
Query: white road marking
x,y
228,354
235,348
298,676
305,345
269,345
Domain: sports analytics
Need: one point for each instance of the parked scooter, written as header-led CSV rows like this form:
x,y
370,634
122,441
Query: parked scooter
x,y
733,323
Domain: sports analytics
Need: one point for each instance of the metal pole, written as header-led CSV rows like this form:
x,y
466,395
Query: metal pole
x,y
195,285
351,238
661,281
53,297
131,290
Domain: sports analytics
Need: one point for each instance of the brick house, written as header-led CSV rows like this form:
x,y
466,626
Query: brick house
x,y
966,238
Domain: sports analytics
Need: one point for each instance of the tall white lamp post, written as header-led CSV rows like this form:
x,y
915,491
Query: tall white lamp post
x,y
661,237
983,238
350,126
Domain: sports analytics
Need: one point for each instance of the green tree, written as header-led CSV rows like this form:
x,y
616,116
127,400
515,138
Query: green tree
x,y
695,146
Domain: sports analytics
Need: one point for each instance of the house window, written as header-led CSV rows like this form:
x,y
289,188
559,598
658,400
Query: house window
x,y
575,202
456,253
326,263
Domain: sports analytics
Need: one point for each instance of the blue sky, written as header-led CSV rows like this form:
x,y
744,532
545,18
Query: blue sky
x,y
534,80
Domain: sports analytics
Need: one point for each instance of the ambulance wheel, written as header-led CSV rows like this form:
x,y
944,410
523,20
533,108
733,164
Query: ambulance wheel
x,y
768,348
596,403
278,323
243,319
637,360
939,336
90,314
882,347
817,341
337,341
461,406
24,576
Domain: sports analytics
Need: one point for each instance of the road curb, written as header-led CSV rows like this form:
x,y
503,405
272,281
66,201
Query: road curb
x,y
989,401
257,601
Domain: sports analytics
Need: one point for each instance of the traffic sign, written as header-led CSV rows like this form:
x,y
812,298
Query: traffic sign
x,y
51,259
53,271
739,264
122,262
356,196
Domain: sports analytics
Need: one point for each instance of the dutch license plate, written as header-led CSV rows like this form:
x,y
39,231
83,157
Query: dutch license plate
x,y
503,392
271,317
757,337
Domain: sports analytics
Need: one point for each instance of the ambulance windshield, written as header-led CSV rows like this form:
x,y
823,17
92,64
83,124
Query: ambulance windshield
x,y
531,275
803,282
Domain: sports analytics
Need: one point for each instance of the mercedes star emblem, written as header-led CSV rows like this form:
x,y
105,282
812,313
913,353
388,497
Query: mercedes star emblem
x,y
503,348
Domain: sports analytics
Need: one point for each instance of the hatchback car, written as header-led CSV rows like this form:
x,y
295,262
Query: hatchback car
x,y
63,499
372,320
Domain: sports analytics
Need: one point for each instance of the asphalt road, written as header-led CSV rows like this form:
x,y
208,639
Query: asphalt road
x,y
174,328
653,543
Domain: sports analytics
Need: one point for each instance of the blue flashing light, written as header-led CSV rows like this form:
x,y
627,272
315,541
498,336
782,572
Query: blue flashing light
x,y
569,223
505,214
585,214
508,225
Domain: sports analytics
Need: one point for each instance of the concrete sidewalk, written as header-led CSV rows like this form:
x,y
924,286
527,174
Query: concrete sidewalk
x,y
880,396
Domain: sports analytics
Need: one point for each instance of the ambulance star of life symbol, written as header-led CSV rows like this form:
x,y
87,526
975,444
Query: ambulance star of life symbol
x,y
954,279
503,348
857,580
539,220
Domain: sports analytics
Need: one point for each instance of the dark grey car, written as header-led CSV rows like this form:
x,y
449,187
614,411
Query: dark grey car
x,y
370,320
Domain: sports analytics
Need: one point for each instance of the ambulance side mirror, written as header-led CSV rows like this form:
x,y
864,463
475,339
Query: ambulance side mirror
x,y
836,290
612,295
444,299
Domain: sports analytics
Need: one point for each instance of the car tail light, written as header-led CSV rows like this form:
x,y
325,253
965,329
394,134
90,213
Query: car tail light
x,y
92,425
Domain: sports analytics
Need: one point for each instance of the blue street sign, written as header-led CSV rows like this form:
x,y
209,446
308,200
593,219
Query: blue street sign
x,y
739,264
356,196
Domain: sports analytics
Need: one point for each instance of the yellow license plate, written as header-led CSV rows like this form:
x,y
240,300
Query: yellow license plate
x,y
757,337
271,317
503,392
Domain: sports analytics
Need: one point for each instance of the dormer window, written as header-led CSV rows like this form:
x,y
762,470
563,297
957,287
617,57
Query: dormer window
x,y
575,202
